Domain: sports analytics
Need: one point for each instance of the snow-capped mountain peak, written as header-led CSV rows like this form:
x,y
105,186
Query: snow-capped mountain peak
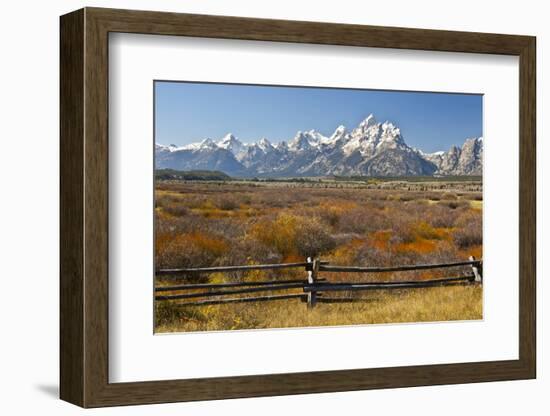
x,y
390,136
339,132
283,145
338,136
265,145
299,142
315,138
166,148
368,122
231,143
305,140
370,149
364,138
227,139
208,143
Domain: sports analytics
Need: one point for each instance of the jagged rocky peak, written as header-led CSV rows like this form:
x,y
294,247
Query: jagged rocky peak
x,y
339,132
465,160
265,144
209,143
364,138
390,135
299,142
473,144
371,148
228,139
369,122
304,140
231,143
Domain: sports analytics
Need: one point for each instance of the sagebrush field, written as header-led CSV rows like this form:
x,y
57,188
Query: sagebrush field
x,y
345,222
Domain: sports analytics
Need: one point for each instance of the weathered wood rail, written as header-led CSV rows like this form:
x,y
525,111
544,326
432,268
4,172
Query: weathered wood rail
x,y
312,286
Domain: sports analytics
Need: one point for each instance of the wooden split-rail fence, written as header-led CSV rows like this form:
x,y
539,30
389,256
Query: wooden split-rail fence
x,y
313,287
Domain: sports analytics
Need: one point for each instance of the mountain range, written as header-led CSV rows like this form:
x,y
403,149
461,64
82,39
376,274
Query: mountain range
x,y
370,149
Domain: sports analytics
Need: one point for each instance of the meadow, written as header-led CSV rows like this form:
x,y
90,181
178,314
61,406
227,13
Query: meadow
x,y
345,222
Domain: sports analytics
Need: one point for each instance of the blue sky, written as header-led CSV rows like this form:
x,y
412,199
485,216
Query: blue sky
x,y
189,112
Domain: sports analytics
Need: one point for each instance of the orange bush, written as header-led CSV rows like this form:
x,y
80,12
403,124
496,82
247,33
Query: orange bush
x,y
211,245
345,254
380,239
188,250
420,246
162,240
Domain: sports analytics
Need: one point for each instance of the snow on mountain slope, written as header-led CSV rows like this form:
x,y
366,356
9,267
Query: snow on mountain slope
x,y
370,149
234,145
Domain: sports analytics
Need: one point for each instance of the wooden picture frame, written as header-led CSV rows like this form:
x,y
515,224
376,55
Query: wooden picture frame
x,y
84,207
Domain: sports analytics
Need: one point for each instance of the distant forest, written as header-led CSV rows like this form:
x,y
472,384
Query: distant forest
x,y
191,175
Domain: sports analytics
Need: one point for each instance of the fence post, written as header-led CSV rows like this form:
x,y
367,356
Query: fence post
x,y
311,278
476,271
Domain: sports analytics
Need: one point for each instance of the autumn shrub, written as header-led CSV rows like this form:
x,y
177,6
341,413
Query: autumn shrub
x,y
291,235
166,199
245,199
402,230
195,201
363,219
374,252
477,197
434,196
330,216
441,216
405,197
425,230
346,249
376,204
449,196
469,230
227,203
190,250
455,204
226,228
312,238
176,210
279,233
330,211
247,250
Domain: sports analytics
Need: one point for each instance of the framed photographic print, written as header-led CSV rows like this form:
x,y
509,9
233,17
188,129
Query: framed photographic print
x,y
335,207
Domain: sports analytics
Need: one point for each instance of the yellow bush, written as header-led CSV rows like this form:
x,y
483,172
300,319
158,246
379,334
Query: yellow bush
x,y
294,236
425,230
279,234
346,253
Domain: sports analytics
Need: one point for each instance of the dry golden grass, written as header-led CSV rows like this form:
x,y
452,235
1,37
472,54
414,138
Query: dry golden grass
x,y
413,305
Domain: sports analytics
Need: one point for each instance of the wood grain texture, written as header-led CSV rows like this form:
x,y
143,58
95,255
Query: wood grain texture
x,y
84,207
71,208
527,208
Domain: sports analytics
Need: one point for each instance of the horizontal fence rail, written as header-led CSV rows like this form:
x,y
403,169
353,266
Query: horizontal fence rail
x,y
224,285
312,286
164,272
356,269
231,292
320,287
